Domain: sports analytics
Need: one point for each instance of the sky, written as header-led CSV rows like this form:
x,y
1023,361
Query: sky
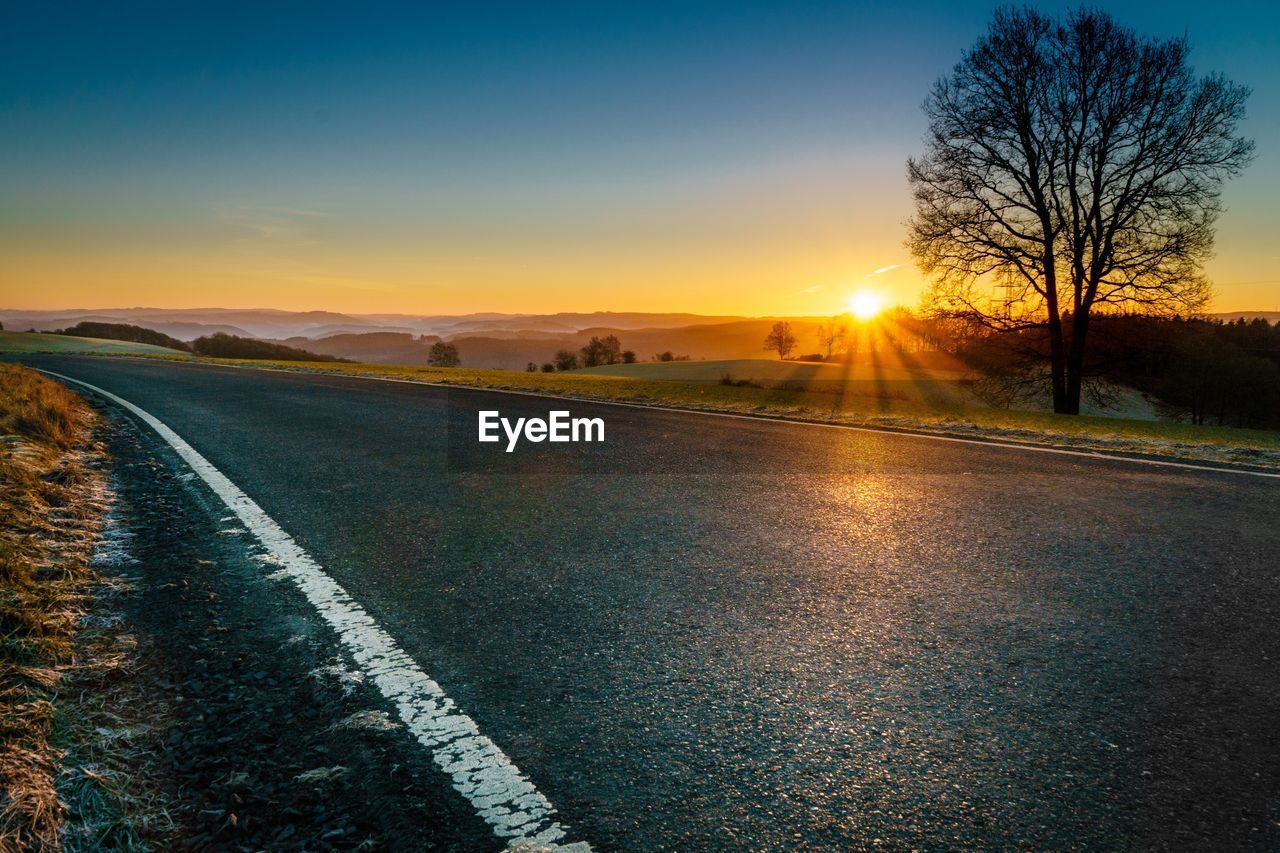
x,y
743,158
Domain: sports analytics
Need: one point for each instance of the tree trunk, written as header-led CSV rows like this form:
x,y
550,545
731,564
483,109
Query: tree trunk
x,y
1075,363
1058,366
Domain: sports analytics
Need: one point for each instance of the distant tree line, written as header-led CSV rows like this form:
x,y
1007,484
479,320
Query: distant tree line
x,y
597,353
125,332
222,345
1226,374
1197,370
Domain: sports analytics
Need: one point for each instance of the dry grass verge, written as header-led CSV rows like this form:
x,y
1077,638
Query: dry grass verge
x,y
51,503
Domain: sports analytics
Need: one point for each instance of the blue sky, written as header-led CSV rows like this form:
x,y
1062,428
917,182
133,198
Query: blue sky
x,y
512,157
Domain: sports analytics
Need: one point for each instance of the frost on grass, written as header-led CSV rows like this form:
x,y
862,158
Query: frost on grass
x,y
112,548
336,672
51,503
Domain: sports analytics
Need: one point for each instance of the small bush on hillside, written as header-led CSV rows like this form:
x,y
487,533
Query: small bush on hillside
x,y
726,378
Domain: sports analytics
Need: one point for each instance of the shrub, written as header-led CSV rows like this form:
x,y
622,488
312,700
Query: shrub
x,y
222,345
125,332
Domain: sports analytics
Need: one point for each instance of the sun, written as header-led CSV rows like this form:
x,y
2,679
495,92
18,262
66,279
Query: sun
x,y
866,304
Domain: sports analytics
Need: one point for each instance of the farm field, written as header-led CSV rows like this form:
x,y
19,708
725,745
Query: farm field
x,y
928,378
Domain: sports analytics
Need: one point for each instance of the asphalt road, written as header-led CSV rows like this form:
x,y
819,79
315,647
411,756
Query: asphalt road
x,y
712,633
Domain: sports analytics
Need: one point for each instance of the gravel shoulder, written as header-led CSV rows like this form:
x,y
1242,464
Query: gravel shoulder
x,y
223,714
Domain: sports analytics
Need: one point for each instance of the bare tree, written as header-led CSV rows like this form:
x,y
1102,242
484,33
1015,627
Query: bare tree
x,y
1077,167
832,333
780,339
601,351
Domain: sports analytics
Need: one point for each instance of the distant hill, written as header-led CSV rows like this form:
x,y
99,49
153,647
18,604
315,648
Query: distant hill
x,y
500,325
514,349
483,340
1270,316
187,324
376,347
53,321
738,339
270,323
191,331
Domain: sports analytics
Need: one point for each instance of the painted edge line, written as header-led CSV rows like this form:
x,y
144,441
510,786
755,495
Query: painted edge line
x,y
500,793
769,419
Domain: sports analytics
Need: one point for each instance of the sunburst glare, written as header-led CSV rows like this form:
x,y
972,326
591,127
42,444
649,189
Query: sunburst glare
x,y
865,304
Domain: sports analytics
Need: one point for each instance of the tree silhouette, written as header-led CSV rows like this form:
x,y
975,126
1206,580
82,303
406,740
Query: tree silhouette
x,y
780,339
566,360
1077,167
442,354
831,334
601,351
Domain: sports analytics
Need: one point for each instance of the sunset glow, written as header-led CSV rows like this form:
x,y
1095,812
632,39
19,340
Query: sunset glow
x,y
866,304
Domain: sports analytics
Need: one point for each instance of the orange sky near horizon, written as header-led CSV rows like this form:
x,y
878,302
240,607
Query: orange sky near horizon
x,y
776,238
783,241
763,283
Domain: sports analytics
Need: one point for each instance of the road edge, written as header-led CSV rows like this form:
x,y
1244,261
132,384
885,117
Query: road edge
x,y
502,795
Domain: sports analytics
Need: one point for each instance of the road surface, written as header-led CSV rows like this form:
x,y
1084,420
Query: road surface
x,y
713,633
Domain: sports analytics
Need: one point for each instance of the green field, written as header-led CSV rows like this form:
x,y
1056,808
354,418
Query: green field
x,y
40,342
890,366
873,377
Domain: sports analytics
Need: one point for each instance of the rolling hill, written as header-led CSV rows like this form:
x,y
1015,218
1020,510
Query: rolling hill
x,y
38,342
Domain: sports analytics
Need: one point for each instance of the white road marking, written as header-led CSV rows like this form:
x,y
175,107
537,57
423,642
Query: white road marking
x,y
503,796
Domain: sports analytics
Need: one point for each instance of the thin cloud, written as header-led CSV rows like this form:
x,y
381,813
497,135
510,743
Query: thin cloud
x,y
271,224
886,269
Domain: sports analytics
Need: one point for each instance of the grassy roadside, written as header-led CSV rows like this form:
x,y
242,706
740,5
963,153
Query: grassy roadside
x,y
1222,445
51,503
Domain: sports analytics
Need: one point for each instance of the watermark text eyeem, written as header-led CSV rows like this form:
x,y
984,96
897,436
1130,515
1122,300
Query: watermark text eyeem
x,y
558,426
